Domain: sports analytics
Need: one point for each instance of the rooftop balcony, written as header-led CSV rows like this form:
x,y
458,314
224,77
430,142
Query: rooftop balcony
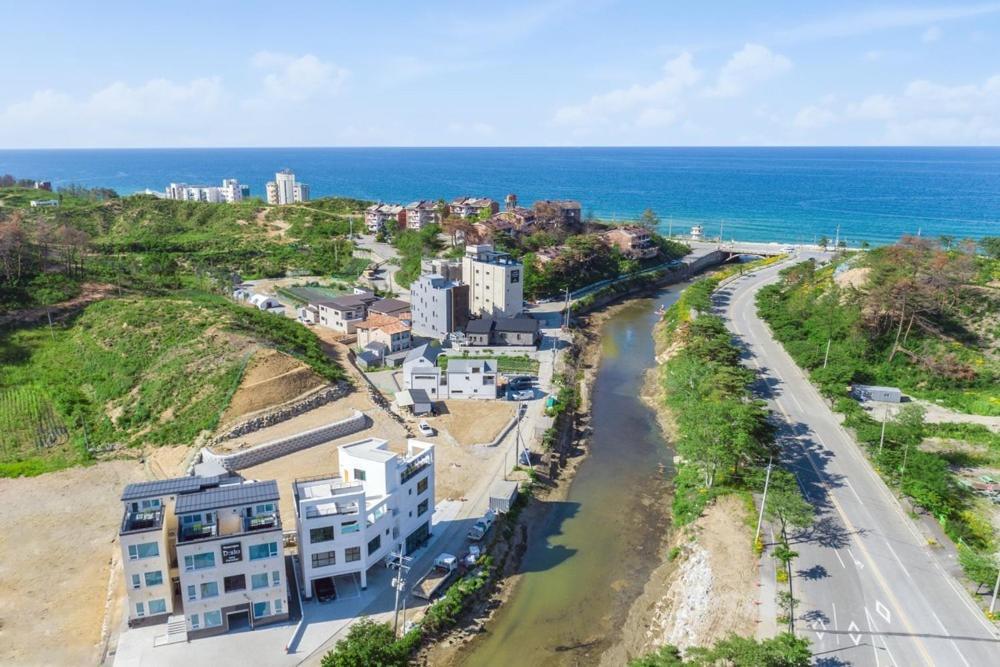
x,y
141,521
227,526
414,467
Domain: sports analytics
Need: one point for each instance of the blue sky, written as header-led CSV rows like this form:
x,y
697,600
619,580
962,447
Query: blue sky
x,y
549,72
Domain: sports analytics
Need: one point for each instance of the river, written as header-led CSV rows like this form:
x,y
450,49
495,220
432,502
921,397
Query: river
x,y
591,555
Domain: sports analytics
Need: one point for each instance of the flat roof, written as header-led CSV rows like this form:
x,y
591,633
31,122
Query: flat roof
x,y
517,324
503,488
231,495
465,365
170,487
371,449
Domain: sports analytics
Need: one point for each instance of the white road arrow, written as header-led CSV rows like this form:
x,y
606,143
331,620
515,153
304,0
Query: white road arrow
x,y
852,631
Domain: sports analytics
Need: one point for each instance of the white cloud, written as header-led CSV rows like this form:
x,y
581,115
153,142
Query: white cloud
x,y
930,35
295,79
813,117
924,112
860,23
751,65
654,102
162,112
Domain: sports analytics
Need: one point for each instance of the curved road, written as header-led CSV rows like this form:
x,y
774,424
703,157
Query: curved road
x,y
870,591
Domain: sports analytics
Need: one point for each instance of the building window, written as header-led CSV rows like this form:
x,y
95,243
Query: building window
x,y
422,507
143,550
237,582
278,606
199,561
154,578
258,581
324,558
261,609
374,545
192,592
359,474
323,534
266,508
422,485
275,578
136,581
258,551
157,607
193,620
213,619
352,554
210,589
140,609
349,527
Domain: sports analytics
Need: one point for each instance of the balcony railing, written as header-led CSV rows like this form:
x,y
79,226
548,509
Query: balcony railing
x,y
414,468
261,522
142,520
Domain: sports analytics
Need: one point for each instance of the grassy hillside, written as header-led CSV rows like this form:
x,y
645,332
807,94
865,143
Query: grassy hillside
x,y
131,371
911,315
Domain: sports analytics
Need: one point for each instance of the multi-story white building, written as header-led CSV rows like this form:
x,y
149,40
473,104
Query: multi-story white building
x,y
284,189
439,306
419,214
381,501
495,282
230,191
207,547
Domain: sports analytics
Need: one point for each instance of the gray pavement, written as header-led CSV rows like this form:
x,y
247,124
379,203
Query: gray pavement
x,y
871,590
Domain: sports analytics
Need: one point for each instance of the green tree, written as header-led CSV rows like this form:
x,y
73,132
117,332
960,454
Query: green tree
x,y
784,650
991,246
368,644
785,503
649,219
980,567
823,242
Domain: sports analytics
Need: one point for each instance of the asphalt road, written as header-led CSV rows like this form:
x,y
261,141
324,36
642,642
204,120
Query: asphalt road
x,y
870,590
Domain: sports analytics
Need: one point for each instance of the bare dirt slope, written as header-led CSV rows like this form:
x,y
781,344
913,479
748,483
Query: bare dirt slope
x,y
57,540
271,378
706,593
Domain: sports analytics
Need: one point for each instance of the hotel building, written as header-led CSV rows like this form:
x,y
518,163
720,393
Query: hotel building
x,y
285,190
495,282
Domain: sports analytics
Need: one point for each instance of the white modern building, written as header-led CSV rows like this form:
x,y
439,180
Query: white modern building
x,y
420,371
230,191
380,502
472,378
284,189
495,282
204,552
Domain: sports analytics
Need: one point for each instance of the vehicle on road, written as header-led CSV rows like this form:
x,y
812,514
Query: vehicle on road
x,y
425,428
432,584
521,382
470,558
520,395
481,527
324,589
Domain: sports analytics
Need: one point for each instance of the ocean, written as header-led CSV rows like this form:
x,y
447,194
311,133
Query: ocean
x,y
752,194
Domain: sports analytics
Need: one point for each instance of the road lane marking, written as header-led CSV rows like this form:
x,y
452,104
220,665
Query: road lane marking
x,y
854,634
882,611
857,563
836,552
877,634
836,627
848,483
950,641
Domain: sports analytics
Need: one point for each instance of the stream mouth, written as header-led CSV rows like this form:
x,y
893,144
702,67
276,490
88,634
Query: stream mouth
x,y
591,554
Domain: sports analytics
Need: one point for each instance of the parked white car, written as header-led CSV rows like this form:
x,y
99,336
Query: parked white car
x,y
425,428
474,553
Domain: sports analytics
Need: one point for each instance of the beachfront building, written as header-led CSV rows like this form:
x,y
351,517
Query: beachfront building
x,y
495,282
472,378
419,214
439,306
378,216
229,192
284,189
380,501
633,241
561,212
472,207
216,539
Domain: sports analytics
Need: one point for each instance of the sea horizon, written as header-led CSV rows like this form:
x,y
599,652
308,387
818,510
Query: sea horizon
x,y
874,194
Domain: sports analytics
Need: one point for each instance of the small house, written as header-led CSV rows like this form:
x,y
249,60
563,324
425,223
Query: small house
x,y
472,378
416,400
420,371
264,302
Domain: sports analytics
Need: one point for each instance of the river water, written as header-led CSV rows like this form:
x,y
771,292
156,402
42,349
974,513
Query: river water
x,y
590,556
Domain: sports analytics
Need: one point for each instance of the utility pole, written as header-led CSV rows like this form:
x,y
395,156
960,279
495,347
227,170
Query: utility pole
x,y
996,588
826,357
566,311
760,517
399,581
881,439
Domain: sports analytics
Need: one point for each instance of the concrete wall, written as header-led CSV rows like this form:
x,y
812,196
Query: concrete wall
x,y
285,412
272,450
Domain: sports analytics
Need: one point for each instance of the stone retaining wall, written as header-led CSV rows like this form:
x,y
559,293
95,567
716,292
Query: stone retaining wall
x,y
286,412
272,450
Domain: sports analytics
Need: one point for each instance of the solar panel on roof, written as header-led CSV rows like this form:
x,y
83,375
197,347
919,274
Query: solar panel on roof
x,y
168,487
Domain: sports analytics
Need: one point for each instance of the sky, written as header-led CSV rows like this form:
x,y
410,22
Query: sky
x,y
541,73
